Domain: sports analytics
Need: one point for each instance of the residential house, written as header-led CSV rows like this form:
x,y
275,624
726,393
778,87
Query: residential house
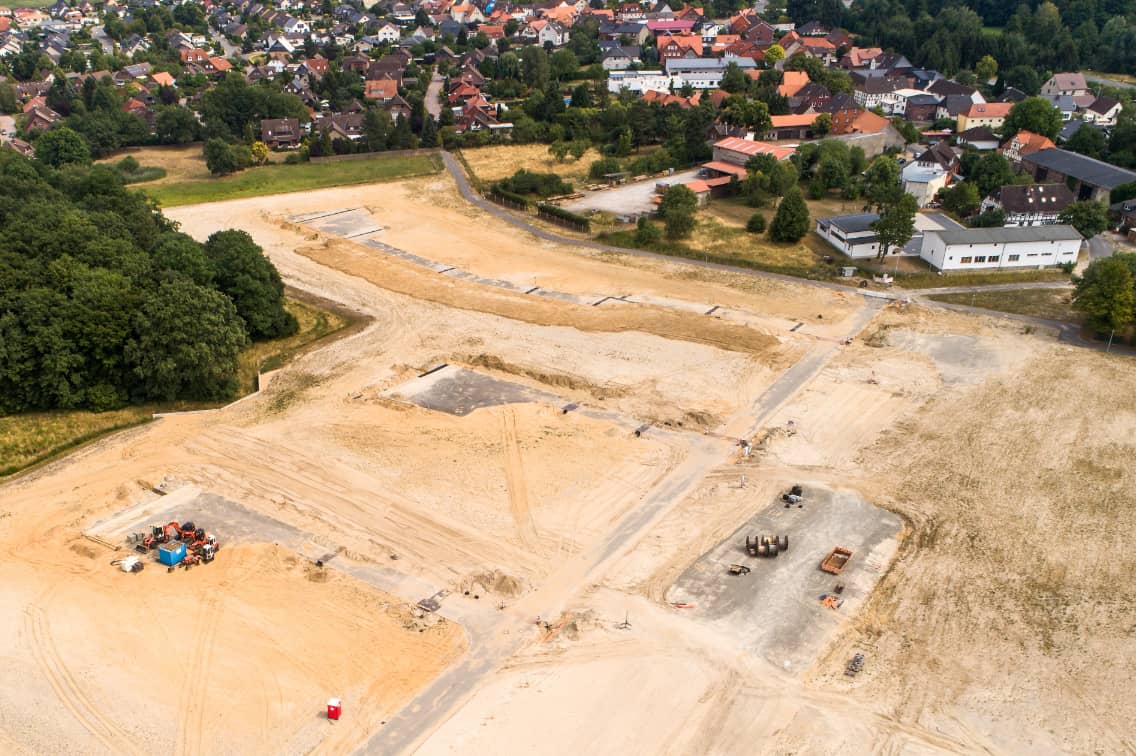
x,y
280,133
1066,104
980,138
380,90
1103,112
1029,204
347,126
1071,84
619,58
1023,143
679,46
388,34
792,82
792,126
41,118
879,92
1088,178
843,109
920,107
930,173
989,114
993,248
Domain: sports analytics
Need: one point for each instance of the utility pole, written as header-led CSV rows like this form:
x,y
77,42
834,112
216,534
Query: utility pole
x,y
1109,347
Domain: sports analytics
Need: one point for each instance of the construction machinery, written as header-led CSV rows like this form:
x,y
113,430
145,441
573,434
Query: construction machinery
x,y
793,496
739,569
182,544
766,545
836,560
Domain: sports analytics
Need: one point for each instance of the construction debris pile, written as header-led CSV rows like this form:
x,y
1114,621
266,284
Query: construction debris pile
x,y
177,544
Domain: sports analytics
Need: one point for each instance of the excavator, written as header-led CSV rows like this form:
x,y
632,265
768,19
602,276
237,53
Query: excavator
x,y
200,546
160,534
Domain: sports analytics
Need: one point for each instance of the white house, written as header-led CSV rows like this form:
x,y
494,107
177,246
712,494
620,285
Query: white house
x,y
620,58
993,248
1103,112
923,182
852,235
387,34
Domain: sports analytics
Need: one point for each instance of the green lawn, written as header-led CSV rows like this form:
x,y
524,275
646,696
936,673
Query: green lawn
x,y
34,437
278,179
1051,304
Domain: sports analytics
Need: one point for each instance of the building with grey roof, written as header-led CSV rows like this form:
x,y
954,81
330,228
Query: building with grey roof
x,y
1087,177
996,248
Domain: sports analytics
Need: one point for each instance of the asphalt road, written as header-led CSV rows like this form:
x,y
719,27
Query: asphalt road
x,y
1109,82
1100,247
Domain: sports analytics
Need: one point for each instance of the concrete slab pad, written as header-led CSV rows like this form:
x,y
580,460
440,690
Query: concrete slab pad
x,y
775,611
460,391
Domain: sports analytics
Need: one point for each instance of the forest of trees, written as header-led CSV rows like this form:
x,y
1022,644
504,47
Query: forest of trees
x,y
1025,38
103,302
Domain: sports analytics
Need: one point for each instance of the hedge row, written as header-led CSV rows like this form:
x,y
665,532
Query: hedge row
x,y
511,196
559,213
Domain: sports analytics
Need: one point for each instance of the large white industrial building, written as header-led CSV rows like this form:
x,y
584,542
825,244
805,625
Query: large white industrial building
x,y
986,248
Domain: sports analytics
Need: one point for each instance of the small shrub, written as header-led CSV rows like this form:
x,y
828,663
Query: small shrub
x,y
647,233
756,223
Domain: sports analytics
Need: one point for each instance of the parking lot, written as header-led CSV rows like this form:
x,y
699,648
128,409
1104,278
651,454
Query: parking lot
x,y
775,611
629,199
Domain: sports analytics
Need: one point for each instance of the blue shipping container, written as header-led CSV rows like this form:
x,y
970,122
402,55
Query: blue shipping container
x,y
171,553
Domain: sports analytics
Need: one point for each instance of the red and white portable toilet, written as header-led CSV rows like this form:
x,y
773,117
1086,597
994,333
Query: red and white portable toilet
x,y
334,708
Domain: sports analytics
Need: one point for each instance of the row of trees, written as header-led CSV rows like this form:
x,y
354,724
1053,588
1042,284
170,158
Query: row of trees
x,y
103,302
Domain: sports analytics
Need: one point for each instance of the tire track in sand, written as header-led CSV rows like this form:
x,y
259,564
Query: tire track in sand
x,y
515,481
195,684
67,689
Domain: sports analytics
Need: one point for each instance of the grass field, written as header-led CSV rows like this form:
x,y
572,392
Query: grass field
x,y
501,161
279,179
1051,304
931,280
30,438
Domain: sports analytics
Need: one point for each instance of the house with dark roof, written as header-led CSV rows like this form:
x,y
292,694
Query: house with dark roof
x,y
853,235
980,138
1029,204
1088,178
1103,112
280,133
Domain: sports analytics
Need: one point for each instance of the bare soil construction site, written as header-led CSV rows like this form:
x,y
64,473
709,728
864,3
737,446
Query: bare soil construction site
x,y
510,516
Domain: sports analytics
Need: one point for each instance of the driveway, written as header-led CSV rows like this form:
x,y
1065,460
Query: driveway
x,y
7,128
629,199
433,92
936,222
1100,246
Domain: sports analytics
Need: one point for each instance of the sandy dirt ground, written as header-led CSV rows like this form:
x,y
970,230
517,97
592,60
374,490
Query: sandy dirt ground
x,y
1001,626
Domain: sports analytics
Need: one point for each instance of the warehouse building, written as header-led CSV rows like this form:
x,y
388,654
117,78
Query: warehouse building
x,y
992,248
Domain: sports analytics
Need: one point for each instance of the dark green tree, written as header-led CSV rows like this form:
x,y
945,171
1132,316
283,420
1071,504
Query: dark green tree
x,y
1034,114
896,225
791,222
220,158
245,275
1088,217
61,146
1105,295
186,343
677,210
